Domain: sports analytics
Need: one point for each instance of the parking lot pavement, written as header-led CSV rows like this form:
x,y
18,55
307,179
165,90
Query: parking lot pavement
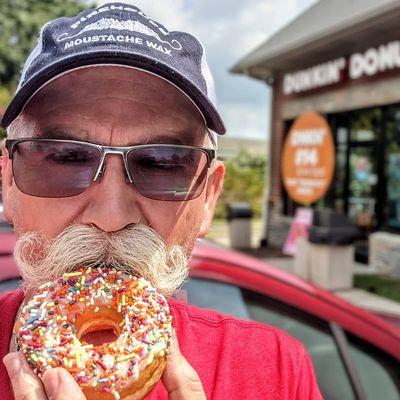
x,y
370,301
386,308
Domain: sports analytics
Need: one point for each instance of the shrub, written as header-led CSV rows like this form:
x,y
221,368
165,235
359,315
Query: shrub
x,y
245,182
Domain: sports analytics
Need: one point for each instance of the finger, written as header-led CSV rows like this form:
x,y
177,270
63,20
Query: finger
x,y
179,378
60,384
24,382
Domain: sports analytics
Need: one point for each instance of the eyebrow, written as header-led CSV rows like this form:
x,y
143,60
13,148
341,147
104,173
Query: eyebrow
x,y
160,139
58,132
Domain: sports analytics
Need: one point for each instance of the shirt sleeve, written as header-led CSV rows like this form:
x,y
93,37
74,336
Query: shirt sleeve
x,y
307,388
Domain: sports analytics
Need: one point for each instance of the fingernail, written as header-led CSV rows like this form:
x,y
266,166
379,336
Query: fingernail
x,y
12,361
51,382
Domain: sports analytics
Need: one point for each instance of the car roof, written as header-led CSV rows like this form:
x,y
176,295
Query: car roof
x,y
214,262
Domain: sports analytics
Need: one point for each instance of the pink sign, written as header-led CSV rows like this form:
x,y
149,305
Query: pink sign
x,y
300,226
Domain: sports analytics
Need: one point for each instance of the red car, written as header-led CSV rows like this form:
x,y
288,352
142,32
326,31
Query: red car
x,y
356,354
8,270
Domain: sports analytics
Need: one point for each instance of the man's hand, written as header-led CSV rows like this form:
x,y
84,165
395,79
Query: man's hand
x,y
179,378
56,384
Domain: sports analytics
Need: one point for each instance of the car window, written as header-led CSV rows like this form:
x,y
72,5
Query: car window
x,y
379,373
222,297
314,334
9,284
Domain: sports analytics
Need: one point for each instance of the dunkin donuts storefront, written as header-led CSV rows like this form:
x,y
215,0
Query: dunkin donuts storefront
x,y
340,63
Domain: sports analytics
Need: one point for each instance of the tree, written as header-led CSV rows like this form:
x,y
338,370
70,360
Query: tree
x,y
20,24
244,181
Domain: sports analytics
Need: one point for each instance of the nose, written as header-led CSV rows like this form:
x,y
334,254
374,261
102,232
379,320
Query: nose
x,y
112,202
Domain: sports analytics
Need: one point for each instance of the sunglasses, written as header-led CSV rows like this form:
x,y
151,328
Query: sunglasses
x,y
64,168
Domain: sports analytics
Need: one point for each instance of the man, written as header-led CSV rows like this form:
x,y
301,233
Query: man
x,y
110,156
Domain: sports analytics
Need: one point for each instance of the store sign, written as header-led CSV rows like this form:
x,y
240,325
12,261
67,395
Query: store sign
x,y
308,159
370,63
315,77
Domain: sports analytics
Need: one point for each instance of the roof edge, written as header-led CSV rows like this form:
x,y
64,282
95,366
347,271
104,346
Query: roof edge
x,y
252,59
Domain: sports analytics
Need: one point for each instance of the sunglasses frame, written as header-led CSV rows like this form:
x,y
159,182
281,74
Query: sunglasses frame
x,y
11,144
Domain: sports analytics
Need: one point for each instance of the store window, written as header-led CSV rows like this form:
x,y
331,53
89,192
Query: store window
x,y
365,130
392,164
341,135
366,125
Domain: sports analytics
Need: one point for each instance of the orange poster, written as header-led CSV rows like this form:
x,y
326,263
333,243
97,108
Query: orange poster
x,y
308,159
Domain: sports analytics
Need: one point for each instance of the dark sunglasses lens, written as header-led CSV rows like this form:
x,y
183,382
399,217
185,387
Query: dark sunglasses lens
x,y
168,173
48,168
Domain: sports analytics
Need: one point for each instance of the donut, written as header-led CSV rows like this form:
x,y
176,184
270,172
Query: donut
x,y
57,328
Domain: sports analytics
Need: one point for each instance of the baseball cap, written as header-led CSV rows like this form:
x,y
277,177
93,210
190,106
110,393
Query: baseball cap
x,y
118,34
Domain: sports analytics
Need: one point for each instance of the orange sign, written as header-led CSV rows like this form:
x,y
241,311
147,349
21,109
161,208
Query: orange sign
x,y
308,159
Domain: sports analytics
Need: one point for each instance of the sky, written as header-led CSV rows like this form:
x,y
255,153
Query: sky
x,y
229,30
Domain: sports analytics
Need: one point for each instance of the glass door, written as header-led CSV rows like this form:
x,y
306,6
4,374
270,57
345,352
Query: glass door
x,y
365,136
392,167
363,181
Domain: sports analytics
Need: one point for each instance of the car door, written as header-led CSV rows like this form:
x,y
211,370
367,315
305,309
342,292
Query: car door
x,y
331,349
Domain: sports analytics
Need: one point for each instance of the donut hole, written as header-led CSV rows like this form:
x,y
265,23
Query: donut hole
x,y
99,336
100,327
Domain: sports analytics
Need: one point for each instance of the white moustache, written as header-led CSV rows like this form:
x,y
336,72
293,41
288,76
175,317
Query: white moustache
x,y
136,250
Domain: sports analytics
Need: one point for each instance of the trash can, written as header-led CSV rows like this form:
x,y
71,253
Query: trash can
x,y
331,249
239,218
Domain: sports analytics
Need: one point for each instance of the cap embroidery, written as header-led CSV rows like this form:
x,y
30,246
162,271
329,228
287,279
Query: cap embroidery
x,y
129,25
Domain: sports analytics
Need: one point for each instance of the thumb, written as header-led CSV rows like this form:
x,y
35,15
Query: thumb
x,y
59,384
179,378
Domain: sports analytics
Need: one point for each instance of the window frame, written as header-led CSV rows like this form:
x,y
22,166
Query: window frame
x,y
344,350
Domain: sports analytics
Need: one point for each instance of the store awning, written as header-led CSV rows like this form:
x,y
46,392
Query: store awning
x,y
324,31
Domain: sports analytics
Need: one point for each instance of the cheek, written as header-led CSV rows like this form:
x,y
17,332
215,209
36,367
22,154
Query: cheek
x,y
48,216
178,223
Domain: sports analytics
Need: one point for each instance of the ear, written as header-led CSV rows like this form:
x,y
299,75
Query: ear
x,y
215,182
7,183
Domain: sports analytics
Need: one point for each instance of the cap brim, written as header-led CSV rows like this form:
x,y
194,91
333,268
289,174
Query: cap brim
x,y
145,63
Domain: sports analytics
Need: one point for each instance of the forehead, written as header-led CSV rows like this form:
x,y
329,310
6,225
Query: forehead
x,y
128,103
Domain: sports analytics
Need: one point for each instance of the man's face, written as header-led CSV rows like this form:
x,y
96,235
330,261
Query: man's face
x,y
114,106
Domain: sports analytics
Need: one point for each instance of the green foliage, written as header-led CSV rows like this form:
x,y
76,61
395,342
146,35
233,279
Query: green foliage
x,y
244,181
5,95
4,100
381,285
20,24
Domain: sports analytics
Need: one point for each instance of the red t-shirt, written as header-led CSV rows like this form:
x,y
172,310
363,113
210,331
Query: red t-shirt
x,y
235,359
